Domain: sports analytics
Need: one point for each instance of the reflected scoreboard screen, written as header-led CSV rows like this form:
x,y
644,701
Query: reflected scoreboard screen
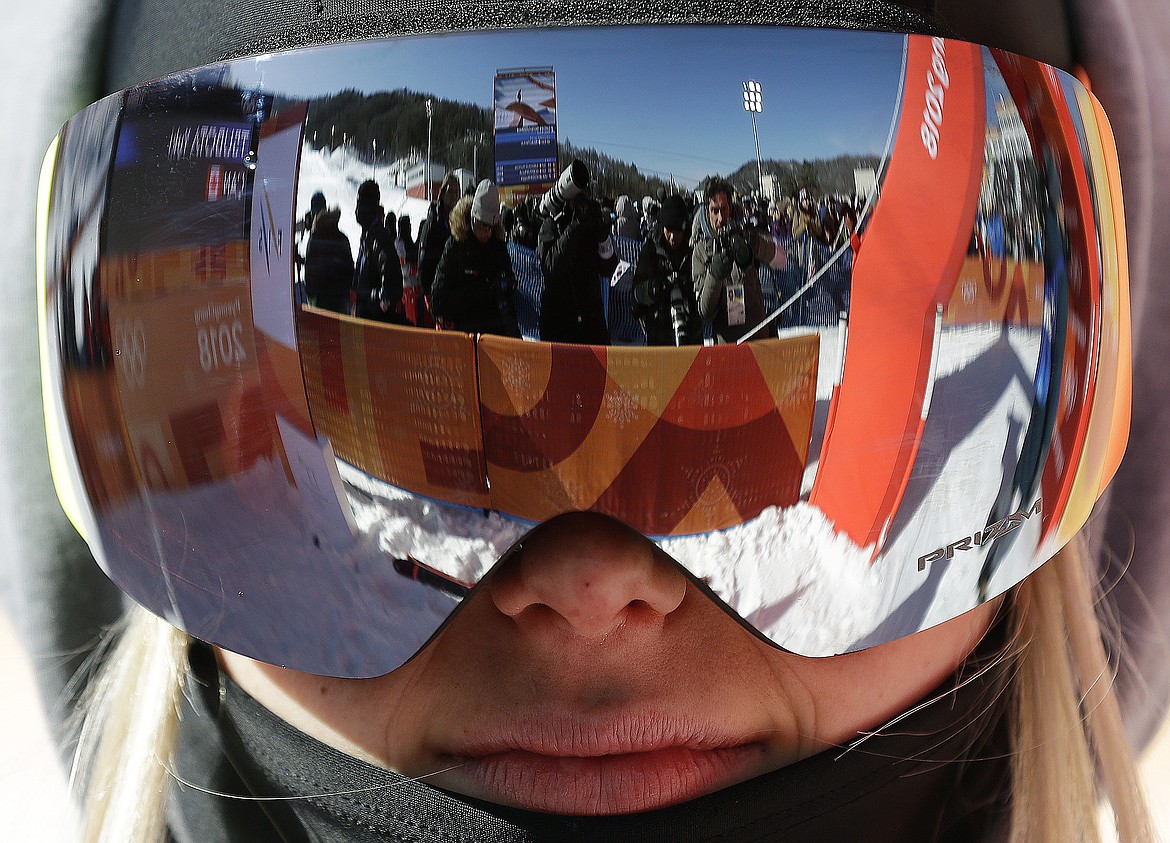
x,y
525,107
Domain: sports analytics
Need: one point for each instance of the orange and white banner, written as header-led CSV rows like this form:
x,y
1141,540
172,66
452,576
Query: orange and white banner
x,y
670,440
914,248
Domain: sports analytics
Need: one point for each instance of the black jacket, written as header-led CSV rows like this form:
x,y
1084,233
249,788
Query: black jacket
x,y
378,276
659,272
432,239
571,308
473,284
329,270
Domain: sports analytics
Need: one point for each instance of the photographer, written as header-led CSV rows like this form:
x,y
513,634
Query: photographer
x,y
807,220
575,251
474,281
727,282
664,295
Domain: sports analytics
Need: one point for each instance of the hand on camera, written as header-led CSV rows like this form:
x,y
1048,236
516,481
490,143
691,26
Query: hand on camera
x,y
741,250
720,266
647,292
589,213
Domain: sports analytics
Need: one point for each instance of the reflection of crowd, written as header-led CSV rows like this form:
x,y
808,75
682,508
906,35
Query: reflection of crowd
x,y
1010,217
696,268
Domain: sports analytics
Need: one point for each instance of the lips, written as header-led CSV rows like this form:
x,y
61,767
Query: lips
x,y
621,766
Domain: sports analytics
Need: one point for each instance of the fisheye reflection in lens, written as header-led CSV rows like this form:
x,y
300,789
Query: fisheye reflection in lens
x,y
516,231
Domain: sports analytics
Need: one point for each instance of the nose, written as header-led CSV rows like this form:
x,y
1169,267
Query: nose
x,y
587,574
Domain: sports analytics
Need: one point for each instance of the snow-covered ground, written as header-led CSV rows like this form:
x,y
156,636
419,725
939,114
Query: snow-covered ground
x,y
338,174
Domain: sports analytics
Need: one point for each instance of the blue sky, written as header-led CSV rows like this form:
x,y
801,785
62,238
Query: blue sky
x,y
669,99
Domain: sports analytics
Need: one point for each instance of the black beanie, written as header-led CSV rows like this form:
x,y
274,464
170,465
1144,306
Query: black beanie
x,y
673,213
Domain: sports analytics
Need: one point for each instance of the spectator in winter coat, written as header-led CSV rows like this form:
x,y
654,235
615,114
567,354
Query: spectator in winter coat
x,y
780,219
378,276
316,205
406,244
414,306
727,282
474,281
628,223
436,228
328,263
649,215
304,227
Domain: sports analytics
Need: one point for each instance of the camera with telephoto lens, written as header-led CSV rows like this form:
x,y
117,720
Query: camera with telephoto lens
x,y
657,291
736,239
678,313
572,182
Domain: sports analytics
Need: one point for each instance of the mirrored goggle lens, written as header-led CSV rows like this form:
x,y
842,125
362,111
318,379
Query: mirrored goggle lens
x,y
870,377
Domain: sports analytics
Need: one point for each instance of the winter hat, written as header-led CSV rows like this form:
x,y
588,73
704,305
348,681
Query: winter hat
x,y
327,221
485,206
673,214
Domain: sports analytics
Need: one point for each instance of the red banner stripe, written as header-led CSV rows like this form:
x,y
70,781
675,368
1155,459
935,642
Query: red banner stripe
x,y
911,257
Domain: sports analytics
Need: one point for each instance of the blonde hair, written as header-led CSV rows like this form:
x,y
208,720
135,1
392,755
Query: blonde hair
x,y
1069,747
1070,752
129,728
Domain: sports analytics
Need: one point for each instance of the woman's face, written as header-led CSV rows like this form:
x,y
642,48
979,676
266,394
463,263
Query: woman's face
x,y
483,231
590,676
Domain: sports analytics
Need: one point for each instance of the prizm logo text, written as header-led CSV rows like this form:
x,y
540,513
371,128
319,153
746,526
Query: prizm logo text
x,y
938,81
985,536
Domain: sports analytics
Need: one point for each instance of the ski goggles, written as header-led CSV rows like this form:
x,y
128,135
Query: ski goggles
x,y
885,379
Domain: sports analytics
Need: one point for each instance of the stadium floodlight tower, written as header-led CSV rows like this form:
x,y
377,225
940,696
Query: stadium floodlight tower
x,y
427,171
753,103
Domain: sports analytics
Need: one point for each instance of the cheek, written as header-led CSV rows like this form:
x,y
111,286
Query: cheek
x,y
861,691
361,717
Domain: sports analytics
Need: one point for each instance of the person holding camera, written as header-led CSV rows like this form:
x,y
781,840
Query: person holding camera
x,y
664,297
575,251
473,285
807,221
727,282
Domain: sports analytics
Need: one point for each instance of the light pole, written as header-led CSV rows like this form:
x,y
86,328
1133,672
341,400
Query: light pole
x,y
427,171
476,139
753,103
